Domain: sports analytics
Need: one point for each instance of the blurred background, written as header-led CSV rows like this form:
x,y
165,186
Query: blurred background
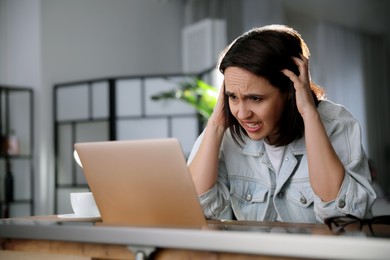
x,y
85,70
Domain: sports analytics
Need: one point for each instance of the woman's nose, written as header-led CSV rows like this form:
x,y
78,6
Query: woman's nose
x,y
244,112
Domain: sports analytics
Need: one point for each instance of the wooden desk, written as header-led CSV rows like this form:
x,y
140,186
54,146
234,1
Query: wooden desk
x,y
47,237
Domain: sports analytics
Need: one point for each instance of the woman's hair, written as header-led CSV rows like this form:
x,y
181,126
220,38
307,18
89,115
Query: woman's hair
x,y
265,52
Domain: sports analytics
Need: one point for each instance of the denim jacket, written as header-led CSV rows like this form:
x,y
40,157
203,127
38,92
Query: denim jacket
x,y
248,186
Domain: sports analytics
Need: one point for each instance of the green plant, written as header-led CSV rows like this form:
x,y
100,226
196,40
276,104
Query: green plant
x,y
196,93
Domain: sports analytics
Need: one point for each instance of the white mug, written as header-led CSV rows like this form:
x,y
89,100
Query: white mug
x,y
83,204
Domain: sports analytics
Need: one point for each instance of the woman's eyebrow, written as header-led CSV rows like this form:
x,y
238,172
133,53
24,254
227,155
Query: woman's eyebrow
x,y
249,95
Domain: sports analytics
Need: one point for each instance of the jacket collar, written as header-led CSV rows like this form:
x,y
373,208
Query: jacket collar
x,y
256,148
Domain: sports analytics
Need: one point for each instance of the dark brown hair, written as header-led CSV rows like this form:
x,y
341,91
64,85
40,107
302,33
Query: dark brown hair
x,y
265,51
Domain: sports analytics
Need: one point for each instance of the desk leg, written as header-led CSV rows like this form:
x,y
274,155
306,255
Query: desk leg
x,y
141,252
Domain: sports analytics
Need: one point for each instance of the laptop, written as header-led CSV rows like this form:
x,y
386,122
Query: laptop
x,y
142,183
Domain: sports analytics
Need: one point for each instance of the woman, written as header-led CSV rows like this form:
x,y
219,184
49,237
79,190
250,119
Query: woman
x,y
274,149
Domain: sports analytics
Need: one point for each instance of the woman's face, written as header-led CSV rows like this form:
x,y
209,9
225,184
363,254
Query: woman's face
x,y
254,102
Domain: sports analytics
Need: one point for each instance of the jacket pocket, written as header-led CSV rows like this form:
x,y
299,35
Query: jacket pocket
x,y
300,195
299,203
248,198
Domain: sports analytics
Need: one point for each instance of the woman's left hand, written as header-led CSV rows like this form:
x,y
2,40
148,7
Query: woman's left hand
x,y
326,172
303,93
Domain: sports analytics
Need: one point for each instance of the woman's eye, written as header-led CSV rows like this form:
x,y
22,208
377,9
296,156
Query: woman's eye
x,y
232,97
256,98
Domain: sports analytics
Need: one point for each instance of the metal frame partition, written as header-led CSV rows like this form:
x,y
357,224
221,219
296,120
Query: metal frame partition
x,y
117,108
16,164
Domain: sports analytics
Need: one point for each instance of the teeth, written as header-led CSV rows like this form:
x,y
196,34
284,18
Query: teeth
x,y
252,125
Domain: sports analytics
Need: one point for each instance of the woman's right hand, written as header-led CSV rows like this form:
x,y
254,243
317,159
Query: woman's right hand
x,y
217,118
204,166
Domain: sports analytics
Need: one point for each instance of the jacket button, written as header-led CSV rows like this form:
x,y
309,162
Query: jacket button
x,y
280,195
341,204
249,197
303,200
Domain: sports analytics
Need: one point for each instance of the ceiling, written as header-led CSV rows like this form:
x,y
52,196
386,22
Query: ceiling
x,y
370,16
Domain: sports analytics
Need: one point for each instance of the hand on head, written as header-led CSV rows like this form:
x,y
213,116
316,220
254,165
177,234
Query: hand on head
x,y
217,118
303,93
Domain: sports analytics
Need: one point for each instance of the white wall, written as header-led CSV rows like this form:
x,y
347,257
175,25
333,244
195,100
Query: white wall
x,y
257,13
20,42
95,38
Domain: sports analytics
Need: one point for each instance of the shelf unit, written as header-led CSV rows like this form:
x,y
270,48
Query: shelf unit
x,y
117,108
17,115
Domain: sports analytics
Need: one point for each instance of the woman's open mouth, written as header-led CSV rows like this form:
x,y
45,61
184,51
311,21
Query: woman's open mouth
x,y
252,127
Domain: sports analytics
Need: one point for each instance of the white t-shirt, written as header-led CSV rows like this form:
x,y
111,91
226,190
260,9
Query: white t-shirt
x,y
275,155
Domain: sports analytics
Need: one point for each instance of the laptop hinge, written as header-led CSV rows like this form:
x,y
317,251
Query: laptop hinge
x,y
141,252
